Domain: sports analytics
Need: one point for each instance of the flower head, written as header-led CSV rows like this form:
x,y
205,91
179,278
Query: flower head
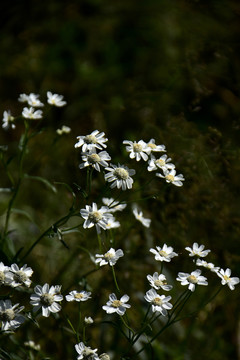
x,y
160,303
64,130
159,282
193,279
85,352
8,120
5,276
94,216
171,177
162,163
197,250
23,98
139,216
109,257
20,276
31,113
78,296
207,265
88,320
91,158
115,305
47,299
138,150
95,140
155,148
120,176
32,345
9,315
165,253
113,205
55,99
32,100
225,275
112,223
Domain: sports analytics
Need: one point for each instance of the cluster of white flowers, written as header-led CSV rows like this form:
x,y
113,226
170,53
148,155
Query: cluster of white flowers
x,y
142,150
15,276
31,112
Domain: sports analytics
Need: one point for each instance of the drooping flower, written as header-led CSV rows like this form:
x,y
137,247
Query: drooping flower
x,y
78,296
225,275
160,303
47,299
8,120
139,216
109,257
162,163
10,318
31,113
120,176
91,158
113,205
165,253
115,305
159,282
193,279
95,140
138,150
171,177
94,216
197,250
20,276
55,99
85,352
207,265
155,148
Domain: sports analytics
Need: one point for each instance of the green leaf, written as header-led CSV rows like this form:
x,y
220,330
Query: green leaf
x,y
43,180
24,213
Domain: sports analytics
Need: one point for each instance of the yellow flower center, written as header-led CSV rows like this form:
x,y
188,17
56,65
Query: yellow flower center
x,y
121,173
2,277
78,296
160,162
170,178
47,299
94,158
157,301
163,253
90,139
226,278
95,216
116,303
137,147
7,315
108,255
160,282
152,146
192,279
20,276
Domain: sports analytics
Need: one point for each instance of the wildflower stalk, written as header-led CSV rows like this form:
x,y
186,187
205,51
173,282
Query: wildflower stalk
x,y
115,279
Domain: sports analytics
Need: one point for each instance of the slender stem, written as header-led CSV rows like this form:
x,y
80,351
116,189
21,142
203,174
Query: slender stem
x,y
115,279
99,242
127,326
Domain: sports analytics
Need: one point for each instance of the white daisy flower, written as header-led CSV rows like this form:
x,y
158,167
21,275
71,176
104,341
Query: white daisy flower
x,y
32,345
47,299
112,224
64,130
23,98
120,176
160,303
192,279
110,257
78,296
5,277
9,315
159,282
85,352
8,120
226,279
20,276
94,216
162,163
94,159
207,265
139,216
88,320
34,101
138,150
113,205
155,148
31,113
197,250
95,140
55,99
115,305
165,253
171,177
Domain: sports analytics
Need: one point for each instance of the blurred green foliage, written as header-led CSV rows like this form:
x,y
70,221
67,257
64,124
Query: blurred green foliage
x,y
159,69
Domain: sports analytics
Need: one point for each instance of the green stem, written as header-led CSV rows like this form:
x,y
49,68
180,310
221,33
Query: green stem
x,y
115,279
